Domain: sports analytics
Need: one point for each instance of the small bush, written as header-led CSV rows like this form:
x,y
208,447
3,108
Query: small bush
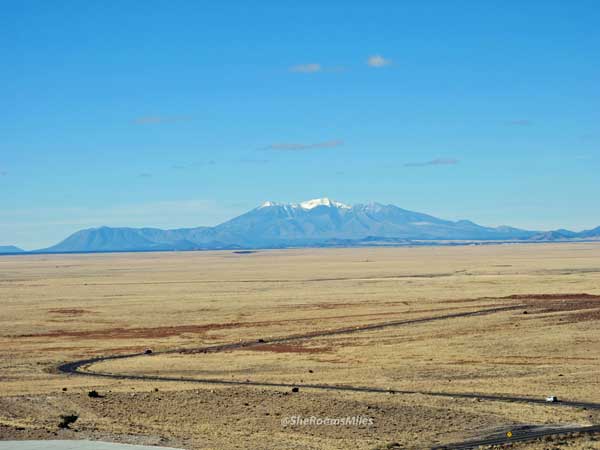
x,y
66,420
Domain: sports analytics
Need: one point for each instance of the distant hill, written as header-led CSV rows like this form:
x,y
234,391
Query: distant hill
x,y
557,235
319,222
4,249
314,223
590,234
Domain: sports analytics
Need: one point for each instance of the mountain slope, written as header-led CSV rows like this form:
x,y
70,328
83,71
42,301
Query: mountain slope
x,y
4,249
322,222
103,239
556,235
327,220
590,234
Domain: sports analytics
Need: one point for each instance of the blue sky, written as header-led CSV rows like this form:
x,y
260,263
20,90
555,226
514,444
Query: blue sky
x,y
186,113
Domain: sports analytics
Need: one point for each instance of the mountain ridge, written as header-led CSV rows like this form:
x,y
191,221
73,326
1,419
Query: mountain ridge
x,y
8,249
313,223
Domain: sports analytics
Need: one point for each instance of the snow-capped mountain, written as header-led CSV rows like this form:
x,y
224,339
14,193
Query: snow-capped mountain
x,y
317,222
308,204
328,219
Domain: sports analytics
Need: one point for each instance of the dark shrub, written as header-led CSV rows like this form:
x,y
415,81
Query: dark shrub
x,y
66,420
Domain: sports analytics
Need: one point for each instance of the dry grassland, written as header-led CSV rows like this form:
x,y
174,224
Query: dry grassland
x,y
67,307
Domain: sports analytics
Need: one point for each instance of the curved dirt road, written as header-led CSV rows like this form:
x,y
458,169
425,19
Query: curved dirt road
x,y
83,367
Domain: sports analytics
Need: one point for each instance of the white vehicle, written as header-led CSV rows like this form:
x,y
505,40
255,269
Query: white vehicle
x,y
551,399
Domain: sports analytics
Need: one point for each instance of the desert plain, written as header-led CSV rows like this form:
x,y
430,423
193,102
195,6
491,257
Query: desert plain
x,y
538,335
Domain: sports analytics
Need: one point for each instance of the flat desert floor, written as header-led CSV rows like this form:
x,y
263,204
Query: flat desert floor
x,y
539,335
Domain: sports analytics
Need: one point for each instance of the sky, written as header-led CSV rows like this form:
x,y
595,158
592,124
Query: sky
x,y
187,113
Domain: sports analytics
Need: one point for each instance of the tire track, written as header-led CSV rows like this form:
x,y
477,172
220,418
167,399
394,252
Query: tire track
x,y
82,368
518,437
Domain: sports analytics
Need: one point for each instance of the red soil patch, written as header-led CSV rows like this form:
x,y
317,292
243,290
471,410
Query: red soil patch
x,y
583,316
587,305
539,303
322,305
548,303
552,297
176,330
118,350
454,308
70,312
62,349
133,333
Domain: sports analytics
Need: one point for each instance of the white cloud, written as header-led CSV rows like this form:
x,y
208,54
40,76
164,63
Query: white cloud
x,y
519,122
300,147
154,120
378,61
306,68
434,162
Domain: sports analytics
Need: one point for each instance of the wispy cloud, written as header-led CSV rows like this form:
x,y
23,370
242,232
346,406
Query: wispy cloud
x,y
145,175
254,161
306,68
209,162
155,120
519,122
316,67
434,162
299,147
378,61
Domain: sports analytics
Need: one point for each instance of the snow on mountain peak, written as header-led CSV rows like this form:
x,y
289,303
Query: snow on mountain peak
x,y
267,204
310,204
307,205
